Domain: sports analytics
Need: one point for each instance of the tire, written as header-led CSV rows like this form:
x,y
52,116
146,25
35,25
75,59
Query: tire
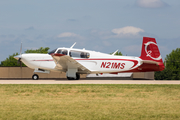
x,y
35,77
77,76
71,78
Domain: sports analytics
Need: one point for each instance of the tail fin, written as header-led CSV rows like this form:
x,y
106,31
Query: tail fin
x,y
150,51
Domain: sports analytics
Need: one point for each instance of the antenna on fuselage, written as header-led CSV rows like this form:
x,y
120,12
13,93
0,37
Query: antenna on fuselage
x,y
73,45
115,52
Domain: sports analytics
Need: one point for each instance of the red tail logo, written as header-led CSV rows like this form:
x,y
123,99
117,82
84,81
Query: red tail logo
x,y
150,50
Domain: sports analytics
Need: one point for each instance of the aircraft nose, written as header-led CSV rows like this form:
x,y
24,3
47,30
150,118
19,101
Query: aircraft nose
x,y
18,57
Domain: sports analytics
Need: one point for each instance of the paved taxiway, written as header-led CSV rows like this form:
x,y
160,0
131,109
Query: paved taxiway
x,y
87,82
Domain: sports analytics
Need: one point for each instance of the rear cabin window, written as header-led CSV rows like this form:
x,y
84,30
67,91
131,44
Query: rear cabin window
x,y
79,54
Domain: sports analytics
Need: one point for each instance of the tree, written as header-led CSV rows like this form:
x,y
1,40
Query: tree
x,y
40,50
166,74
12,62
172,67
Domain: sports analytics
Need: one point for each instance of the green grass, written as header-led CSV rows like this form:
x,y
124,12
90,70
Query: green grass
x,y
89,102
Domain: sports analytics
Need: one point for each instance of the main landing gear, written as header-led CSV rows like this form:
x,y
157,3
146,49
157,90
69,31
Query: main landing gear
x,y
71,78
35,77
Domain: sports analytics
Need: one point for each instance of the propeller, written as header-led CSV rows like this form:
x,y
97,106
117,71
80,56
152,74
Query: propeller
x,y
20,56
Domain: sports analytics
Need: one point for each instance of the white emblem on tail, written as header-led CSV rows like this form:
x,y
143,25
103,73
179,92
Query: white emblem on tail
x,y
150,52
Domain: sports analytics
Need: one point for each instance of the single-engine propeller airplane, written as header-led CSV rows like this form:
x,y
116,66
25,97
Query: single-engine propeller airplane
x,y
80,61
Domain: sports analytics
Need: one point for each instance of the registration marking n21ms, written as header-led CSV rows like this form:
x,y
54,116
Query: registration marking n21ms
x,y
113,65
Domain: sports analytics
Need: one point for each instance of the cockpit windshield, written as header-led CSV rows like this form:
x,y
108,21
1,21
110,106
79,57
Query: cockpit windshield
x,y
59,51
72,53
53,51
62,51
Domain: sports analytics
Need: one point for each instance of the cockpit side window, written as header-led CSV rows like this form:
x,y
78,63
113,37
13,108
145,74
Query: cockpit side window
x,y
87,55
59,51
79,54
53,51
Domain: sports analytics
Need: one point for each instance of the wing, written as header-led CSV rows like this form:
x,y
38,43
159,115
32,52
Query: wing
x,y
65,62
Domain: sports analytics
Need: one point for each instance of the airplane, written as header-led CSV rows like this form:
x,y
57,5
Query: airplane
x,y
80,61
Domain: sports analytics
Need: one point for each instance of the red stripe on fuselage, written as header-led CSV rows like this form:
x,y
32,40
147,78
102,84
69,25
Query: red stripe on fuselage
x,y
42,60
57,54
135,61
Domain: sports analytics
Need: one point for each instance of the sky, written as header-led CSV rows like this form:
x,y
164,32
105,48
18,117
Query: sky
x,y
98,25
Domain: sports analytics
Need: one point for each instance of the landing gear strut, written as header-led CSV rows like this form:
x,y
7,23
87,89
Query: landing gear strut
x,y
71,78
35,77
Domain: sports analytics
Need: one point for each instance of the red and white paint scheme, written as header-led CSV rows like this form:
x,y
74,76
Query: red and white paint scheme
x,y
80,61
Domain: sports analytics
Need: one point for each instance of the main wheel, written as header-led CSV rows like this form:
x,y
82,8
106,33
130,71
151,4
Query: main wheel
x,y
77,76
71,78
35,77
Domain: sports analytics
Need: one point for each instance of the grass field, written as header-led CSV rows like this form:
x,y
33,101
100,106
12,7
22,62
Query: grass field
x,y
89,102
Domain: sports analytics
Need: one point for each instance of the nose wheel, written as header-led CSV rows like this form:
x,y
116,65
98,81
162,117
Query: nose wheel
x,y
35,77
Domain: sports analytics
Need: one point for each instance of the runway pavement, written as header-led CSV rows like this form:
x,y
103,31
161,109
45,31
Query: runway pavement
x,y
87,82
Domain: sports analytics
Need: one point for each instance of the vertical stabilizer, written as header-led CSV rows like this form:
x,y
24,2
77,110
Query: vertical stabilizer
x,y
150,51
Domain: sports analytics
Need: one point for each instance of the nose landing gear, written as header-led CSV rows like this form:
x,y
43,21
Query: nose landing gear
x,y
35,77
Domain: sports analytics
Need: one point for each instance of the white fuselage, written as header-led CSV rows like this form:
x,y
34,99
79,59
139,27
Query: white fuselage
x,y
80,61
43,61
96,62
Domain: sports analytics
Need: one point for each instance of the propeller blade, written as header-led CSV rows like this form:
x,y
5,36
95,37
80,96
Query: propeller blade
x,y
21,49
19,62
18,57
